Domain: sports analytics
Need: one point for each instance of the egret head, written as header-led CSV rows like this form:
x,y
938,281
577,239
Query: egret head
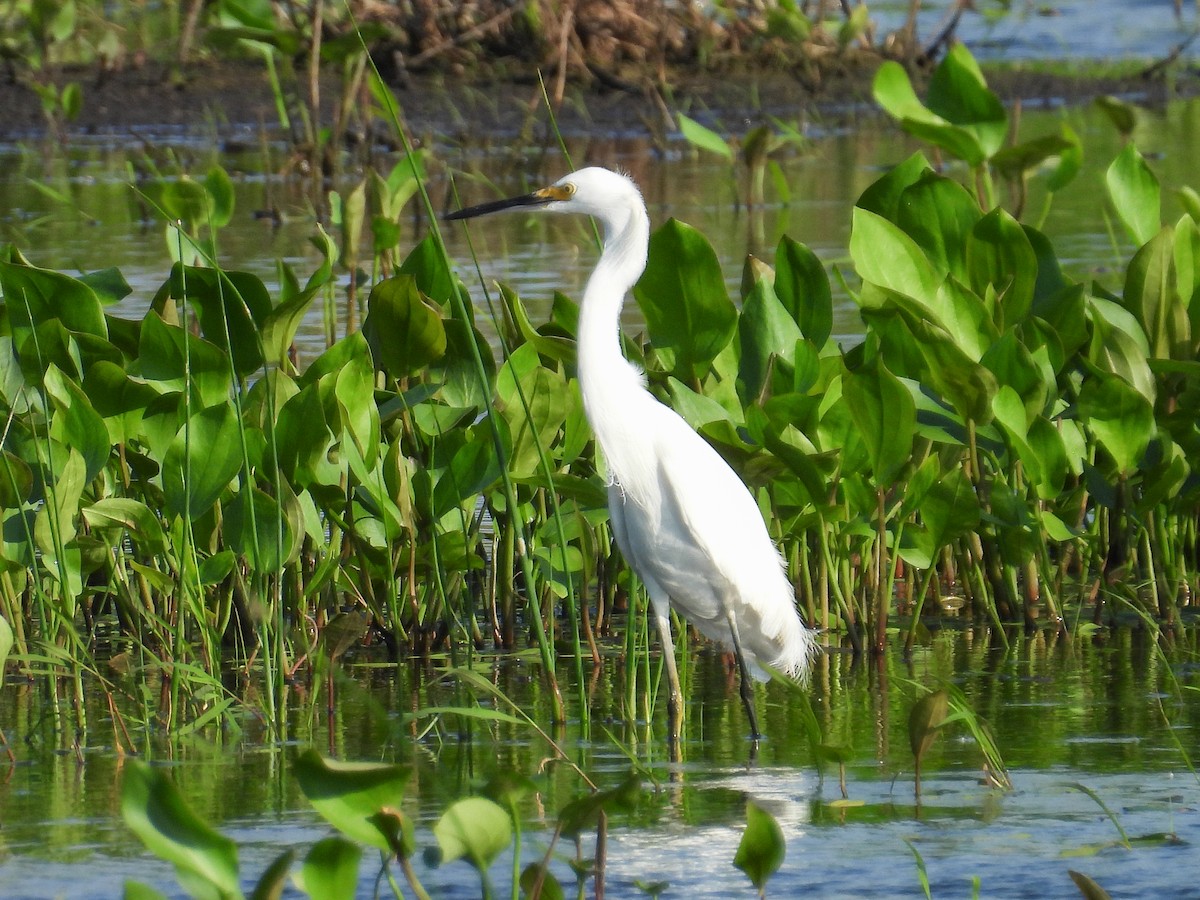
x,y
593,191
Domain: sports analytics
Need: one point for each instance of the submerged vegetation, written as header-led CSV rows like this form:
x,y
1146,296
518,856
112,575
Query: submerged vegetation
x,y
180,498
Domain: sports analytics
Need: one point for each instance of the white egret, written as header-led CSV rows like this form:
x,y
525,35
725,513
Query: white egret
x,y
685,522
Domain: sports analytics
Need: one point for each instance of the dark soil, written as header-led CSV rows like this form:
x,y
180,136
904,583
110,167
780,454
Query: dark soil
x,y
219,98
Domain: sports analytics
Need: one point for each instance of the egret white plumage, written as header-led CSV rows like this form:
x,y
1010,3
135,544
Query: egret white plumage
x,y
685,522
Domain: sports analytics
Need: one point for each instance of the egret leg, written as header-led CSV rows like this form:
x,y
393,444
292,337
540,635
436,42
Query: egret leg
x,y
675,697
747,688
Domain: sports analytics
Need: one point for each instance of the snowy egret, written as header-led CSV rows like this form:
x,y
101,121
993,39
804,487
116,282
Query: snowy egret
x,y
685,522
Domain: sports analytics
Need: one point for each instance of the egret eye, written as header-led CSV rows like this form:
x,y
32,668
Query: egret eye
x,y
569,189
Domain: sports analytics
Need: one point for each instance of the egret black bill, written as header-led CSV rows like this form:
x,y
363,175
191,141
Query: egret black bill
x,y
537,198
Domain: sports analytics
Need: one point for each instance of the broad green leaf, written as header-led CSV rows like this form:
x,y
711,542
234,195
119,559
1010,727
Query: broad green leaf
x,y
1120,346
803,288
174,359
257,528
704,138
958,93
1014,162
1122,115
884,411
202,460
1120,417
950,508
273,881
1135,194
473,469
109,285
1000,256
893,91
474,828
128,515
1070,160
765,331
353,387
1151,294
16,480
883,196
885,255
533,401
156,812
535,877
348,794
426,263
76,424
34,295
761,850
939,215
582,811
220,195
230,306
1014,366
330,869
405,331
683,296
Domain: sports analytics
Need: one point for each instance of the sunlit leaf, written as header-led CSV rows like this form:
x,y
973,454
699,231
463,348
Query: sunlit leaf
x,y
474,828
683,296
348,794
761,850
156,812
704,138
1135,194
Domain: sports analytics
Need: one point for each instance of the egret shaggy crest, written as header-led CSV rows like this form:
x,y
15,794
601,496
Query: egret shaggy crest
x,y
683,519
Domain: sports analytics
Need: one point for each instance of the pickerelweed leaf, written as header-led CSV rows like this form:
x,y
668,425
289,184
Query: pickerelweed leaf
x,y
682,293
1134,191
348,794
404,330
330,869
802,286
474,828
761,850
156,812
704,138
201,461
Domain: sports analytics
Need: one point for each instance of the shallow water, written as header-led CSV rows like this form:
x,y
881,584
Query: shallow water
x,y
1063,711
1055,29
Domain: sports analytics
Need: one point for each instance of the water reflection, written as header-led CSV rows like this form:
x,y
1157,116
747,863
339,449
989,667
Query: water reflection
x,y
79,213
1062,709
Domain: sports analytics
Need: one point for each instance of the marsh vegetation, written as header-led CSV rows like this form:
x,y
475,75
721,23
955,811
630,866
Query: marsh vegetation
x,y
199,525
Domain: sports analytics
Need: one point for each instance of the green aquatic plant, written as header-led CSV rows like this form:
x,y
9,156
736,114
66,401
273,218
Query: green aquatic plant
x,y
761,850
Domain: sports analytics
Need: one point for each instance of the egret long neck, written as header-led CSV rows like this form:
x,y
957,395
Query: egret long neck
x,y
607,380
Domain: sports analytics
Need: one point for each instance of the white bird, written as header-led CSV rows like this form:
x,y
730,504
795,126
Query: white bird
x,y
685,522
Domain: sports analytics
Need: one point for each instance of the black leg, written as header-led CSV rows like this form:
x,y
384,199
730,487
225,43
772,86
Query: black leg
x,y
747,687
